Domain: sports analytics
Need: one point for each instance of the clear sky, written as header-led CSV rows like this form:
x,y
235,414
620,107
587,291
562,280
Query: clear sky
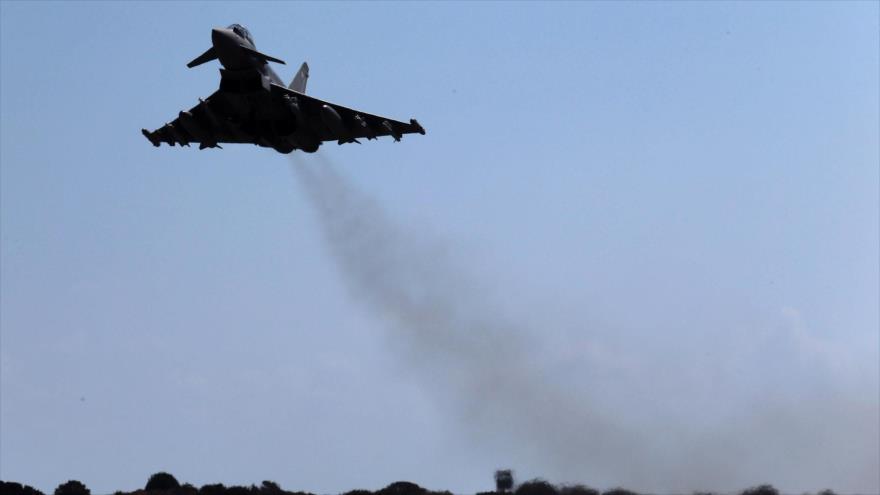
x,y
663,218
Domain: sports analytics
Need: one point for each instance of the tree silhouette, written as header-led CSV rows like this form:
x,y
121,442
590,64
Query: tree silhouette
x,y
619,491
536,487
161,481
215,489
402,488
761,490
270,487
503,480
72,487
578,490
13,488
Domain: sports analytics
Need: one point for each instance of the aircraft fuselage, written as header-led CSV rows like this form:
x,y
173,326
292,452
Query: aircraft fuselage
x,y
253,105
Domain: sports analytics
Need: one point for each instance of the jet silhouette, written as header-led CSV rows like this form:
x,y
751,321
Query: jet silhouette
x,y
253,106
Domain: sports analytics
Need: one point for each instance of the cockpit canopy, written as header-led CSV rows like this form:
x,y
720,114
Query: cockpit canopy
x,y
242,31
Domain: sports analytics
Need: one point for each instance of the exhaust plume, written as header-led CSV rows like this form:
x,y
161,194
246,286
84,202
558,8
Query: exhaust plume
x,y
451,332
472,354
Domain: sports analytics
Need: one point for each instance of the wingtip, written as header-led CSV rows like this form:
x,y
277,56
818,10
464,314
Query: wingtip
x,y
419,128
149,136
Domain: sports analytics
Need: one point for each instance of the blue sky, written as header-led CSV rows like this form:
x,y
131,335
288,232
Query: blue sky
x,y
676,203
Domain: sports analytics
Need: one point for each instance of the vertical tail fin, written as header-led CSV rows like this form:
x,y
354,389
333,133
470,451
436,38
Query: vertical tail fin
x,y
300,79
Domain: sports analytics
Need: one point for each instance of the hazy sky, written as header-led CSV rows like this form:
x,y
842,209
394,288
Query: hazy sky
x,y
638,245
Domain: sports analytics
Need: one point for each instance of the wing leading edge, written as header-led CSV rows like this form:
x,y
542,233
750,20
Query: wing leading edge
x,y
343,124
200,124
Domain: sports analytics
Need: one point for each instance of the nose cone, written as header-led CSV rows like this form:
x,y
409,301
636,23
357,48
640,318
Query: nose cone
x,y
227,46
222,38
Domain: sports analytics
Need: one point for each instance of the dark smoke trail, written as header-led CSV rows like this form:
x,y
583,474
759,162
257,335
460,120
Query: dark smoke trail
x,y
450,332
470,352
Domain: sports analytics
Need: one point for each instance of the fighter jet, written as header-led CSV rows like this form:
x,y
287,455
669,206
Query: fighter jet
x,y
254,106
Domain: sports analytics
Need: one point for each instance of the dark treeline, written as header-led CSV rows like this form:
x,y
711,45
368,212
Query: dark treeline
x,y
166,484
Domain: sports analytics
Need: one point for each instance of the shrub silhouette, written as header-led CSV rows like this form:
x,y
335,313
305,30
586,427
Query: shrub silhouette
x,y
619,491
187,489
13,488
578,490
269,487
215,489
503,480
761,490
161,481
536,486
402,488
72,487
